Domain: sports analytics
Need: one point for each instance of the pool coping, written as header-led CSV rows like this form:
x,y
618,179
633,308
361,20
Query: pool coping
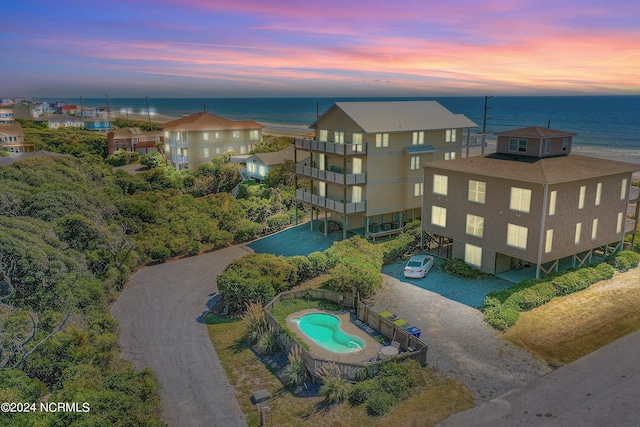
x,y
347,326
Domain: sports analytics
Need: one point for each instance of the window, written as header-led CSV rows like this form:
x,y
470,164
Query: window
x,y
417,189
251,167
520,199
598,193
451,155
206,152
439,216
619,223
477,191
322,189
184,152
552,202
583,192
205,136
254,135
338,137
216,135
217,150
324,135
594,229
229,148
356,194
450,135
167,134
475,225
565,144
473,255
167,148
517,236
548,243
262,170
357,142
518,145
235,134
576,239
440,184
382,140
415,163
623,189
418,138
243,149
547,146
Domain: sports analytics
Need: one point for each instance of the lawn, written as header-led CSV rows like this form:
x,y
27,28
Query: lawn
x,y
570,327
247,373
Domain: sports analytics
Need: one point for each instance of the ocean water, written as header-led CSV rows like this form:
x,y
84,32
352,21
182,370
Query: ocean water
x,y
606,126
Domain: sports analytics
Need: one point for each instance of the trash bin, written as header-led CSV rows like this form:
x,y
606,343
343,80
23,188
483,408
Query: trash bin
x,y
414,331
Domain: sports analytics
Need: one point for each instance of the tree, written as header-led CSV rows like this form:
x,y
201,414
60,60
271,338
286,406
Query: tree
x,y
152,160
355,266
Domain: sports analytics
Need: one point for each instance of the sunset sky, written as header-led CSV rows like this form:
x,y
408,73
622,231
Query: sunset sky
x,y
255,48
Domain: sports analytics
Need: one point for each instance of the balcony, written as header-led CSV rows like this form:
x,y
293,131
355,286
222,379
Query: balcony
x,y
307,144
329,204
629,226
331,176
179,160
634,194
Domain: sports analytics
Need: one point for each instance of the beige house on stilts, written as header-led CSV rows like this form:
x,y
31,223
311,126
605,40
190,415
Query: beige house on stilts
x,y
366,161
530,204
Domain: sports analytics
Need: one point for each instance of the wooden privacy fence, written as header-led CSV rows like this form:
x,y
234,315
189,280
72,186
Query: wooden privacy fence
x,y
412,347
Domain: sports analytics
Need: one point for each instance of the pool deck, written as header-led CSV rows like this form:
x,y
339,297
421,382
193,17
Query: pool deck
x,y
348,327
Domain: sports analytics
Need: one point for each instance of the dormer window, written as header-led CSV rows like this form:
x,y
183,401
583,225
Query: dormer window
x,y
518,145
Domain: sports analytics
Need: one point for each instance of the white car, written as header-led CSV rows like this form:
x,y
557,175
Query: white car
x,y
418,266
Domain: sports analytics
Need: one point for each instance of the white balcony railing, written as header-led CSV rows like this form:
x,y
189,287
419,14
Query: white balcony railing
x,y
331,176
329,204
330,147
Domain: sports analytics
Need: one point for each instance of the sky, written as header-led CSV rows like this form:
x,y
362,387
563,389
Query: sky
x,y
287,48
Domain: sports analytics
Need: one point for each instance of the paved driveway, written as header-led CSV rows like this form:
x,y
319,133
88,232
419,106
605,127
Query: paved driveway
x,y
461,344
470,292
160,317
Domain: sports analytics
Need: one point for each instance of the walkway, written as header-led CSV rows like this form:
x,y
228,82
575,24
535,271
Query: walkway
x,y
161,327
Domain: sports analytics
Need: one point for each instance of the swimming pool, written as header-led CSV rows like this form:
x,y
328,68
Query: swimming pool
x,y
324,330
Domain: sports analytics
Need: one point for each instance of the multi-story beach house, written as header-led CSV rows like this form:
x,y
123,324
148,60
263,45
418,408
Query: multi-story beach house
x,y
6,114
57,121
97,125
12,139
366,161
134,139
28,110
530,204
196,139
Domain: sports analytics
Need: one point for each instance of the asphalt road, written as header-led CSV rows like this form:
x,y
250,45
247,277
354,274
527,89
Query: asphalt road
x,y
159,314
601,389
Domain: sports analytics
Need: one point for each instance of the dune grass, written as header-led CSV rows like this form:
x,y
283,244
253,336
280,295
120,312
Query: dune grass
x,y
575,325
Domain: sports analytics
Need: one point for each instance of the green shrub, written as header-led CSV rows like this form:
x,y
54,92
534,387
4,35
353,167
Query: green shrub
x,y
532,297
458,267
277,222
501,317
332,227
318,263
247,230
268,341
152,160
362,390
625,260
160,253
305,268
356,266
398,247
335,389
606,271
379,402
254,321
295,373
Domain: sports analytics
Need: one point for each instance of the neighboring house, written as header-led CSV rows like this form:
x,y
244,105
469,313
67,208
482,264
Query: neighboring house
x,y
259,164
134,139
28,110
12,139
366,161
196,139
56,121
531,203
67,109
6,114
99,125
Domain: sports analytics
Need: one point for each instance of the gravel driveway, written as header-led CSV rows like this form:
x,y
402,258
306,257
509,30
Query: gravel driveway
x,y
161,328
461,344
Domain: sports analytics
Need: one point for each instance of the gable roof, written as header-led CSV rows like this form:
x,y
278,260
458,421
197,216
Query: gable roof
x,y
205,121
549,170
11,129
275,158
133,132
59,118
400,116
535,132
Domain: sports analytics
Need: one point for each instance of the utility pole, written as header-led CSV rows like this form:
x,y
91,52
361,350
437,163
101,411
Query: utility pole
x,y
204,102
108,109
148,113
485,118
